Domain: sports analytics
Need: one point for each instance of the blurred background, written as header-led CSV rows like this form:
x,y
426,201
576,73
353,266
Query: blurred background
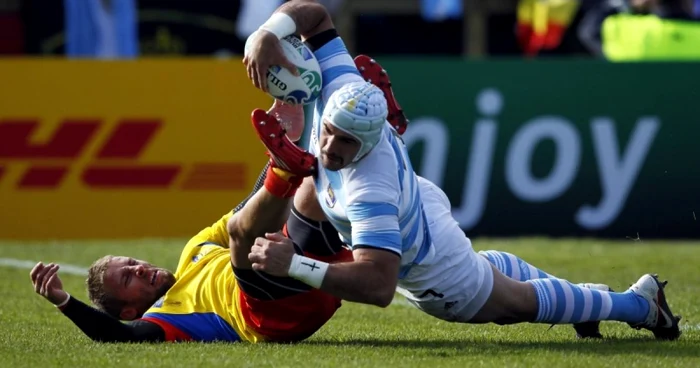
x,y
129,118
469,28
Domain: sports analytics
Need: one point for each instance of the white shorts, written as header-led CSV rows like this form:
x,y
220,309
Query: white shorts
x,y
454,282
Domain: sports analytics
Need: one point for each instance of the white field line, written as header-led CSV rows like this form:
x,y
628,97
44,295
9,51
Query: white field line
x,y
28,265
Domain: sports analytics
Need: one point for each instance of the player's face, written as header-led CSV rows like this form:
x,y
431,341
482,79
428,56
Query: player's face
x,y
337,147
138,283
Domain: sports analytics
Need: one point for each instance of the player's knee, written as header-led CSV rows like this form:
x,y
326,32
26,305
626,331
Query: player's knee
x,y
511,301
522,304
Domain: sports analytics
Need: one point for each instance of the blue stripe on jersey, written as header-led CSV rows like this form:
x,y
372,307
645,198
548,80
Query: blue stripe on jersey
x,y
422,252
364,211
330,49
330,74
414,209
411,236
334,48
332,55
399,158
206,327
427,240
390,240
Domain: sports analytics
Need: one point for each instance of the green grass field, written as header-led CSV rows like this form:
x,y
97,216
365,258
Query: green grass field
x,y
35,334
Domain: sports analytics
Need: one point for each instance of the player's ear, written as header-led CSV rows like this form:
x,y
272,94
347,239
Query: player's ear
x,y
128,314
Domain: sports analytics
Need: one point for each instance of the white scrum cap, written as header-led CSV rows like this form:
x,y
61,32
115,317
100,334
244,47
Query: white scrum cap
x,y
358,109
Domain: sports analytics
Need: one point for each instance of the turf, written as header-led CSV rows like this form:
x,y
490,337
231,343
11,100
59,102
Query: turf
x,y
35,334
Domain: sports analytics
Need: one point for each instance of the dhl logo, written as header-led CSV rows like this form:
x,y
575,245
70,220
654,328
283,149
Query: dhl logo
x,y
114,164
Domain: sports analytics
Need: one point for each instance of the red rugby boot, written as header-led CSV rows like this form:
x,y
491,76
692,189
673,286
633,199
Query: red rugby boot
x,y
283,153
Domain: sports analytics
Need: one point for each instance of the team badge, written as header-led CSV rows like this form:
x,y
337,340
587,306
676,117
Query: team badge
x,y
159,302
330,196
200,255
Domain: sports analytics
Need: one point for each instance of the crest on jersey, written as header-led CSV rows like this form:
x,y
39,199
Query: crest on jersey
x,y
199,256
158,303
330,196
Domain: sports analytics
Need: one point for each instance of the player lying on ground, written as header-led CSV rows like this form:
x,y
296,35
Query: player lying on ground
x,y
214,295
398,224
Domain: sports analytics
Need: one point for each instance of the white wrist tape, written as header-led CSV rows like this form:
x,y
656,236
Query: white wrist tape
x,y
280,24
63,302
307,270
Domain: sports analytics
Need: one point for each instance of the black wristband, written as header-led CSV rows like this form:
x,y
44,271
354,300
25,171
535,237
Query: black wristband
x,y
318,40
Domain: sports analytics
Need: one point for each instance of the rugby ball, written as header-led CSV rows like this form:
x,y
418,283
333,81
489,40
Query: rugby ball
x,y
285,86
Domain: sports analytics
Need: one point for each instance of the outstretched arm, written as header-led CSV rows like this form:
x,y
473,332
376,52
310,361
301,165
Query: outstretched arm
x,y
95,324
371,278
102,327
377,247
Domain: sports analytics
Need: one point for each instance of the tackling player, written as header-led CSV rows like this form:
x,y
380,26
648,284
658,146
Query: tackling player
x,y
214,295
398,224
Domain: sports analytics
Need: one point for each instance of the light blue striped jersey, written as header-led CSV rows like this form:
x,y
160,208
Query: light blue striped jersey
x,y
374,202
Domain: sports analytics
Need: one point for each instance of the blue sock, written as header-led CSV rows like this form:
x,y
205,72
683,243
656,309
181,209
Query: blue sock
x,y
559,301
514,267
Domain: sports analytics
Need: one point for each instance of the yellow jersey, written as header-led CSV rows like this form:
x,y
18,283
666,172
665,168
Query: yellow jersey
x,y
203,304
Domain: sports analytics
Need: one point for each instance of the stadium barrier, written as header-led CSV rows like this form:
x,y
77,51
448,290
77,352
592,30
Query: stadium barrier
x,y
92,149
560,148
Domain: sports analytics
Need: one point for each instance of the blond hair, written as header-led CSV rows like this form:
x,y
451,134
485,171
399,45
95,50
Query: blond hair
x,y
96,288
